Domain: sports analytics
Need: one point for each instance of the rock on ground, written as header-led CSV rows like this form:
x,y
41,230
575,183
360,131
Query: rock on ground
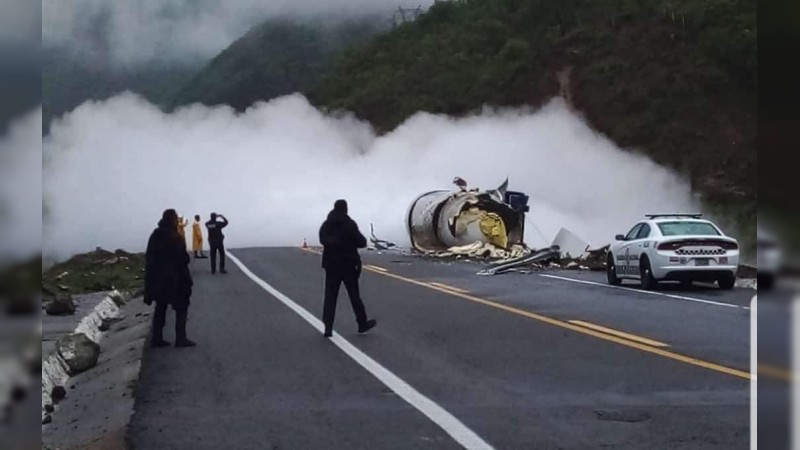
x,y
78,351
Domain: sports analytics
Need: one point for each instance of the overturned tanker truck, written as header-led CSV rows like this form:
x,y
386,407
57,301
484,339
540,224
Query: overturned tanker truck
x,y
439,220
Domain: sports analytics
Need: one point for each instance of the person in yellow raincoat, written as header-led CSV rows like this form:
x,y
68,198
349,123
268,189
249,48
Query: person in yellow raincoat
x,y
197,238
182,222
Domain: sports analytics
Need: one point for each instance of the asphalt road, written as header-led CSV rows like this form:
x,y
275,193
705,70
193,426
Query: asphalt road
x,y
553,360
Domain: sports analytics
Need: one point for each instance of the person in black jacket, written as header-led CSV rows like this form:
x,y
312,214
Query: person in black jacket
x,y
216,241
341,239
167,279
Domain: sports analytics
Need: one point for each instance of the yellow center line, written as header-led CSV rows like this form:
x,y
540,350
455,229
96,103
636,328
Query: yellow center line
x,y
447,286
569,326
621,334
579,329
376,268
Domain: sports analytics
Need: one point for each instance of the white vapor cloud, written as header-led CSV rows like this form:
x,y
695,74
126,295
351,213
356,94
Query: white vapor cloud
x,y
131,33
112,167
21,189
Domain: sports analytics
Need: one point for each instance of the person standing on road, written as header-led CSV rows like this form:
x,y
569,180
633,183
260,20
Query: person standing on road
x,y
167,279
341,239
215,241
182,222
197,238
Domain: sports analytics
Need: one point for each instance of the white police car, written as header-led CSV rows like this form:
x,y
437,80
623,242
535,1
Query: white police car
x,y
675,247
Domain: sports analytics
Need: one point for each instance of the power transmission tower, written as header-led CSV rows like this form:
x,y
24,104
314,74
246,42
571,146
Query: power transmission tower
x,y
403,15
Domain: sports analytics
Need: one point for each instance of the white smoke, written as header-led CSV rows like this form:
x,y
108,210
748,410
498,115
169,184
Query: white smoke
x,y
132,33
275,171
21,189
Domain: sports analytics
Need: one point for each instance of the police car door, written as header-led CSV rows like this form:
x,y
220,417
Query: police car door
x,y
624,258
638,247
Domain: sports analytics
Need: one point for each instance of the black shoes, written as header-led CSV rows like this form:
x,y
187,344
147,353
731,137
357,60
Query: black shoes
x,y
363,328
223,271
366,326
178,343
159,343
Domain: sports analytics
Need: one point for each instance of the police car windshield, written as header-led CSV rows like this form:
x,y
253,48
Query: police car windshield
x,y
686,227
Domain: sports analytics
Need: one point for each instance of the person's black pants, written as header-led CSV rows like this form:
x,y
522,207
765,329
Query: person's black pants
x,y
160,319
334,277
217,247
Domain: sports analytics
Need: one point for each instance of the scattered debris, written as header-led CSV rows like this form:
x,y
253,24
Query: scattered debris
x,y
379,244
47,419
595,259
485,250
61,305
49,408
572,247
534,258
62,275
78,351
63,287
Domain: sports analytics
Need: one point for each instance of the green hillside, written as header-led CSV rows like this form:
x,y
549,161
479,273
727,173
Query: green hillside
x,y
276,58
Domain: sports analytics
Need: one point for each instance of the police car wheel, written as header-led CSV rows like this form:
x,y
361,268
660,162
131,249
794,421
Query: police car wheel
x,y
646,275
727,282
611,272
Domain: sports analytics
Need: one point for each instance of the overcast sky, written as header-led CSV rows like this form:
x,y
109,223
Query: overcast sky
x,y
20,21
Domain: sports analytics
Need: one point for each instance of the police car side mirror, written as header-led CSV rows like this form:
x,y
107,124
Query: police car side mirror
x,y
620,237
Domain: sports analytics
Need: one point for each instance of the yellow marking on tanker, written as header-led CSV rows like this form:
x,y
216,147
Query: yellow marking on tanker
x,y
621,334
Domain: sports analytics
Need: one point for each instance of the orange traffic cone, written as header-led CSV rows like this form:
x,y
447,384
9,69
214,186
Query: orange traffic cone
x,y
305,244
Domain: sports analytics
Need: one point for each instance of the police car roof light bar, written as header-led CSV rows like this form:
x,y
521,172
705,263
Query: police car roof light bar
x,y
693,216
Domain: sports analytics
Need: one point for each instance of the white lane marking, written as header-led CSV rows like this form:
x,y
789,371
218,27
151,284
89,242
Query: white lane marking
x,y
446,421
662,294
